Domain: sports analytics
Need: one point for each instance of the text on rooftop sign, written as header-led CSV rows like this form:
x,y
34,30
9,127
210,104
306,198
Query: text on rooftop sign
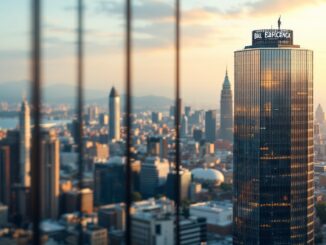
x,y
272,35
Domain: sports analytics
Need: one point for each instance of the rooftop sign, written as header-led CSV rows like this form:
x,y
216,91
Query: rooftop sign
x,y
272,36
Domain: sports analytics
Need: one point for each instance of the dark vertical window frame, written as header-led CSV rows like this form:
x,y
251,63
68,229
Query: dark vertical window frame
x,y
80,105
177,118
36,83
128,98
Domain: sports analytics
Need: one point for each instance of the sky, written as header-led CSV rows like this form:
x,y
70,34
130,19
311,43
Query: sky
x,y
210,33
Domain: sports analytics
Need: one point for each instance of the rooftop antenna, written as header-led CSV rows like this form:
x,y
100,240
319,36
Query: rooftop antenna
x,y
279,22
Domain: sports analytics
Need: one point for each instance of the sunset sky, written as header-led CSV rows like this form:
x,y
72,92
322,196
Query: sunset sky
x,y
211,31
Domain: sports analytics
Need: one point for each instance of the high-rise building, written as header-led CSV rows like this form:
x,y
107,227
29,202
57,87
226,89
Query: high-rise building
x,y
5,183
75,200
92,113
210,126
50,174
153,175
95,235
273,141
3,215
184,126
25,144
197,134
157,117
112,217
114,115
185,180
188,111
226,120
103,119
109,180
320,115
12,141
172,109
157,146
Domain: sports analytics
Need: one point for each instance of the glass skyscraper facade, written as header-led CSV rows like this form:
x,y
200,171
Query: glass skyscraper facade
x,y
273,142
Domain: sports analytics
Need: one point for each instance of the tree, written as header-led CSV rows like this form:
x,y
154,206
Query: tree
x,y
226,187
136,196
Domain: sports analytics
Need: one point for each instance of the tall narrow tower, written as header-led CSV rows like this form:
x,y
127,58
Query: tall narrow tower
x,y
25,144
50,178
226,129
114,114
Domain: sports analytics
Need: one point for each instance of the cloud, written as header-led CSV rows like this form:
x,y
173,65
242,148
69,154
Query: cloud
x,y
143,10
153,26
275,7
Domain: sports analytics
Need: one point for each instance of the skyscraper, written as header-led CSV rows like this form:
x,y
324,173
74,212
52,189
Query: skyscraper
x,y
157,145
320,115
153,175
50,174
114,115
5,183
273,141
109,179
210,126
226,121
184,126
25,144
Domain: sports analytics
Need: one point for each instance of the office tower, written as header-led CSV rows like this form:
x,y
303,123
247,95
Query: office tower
x,y
112,217
151,229
273,143
172,109
109,181
5,183
103,119
153,175
76,200
198,134
92,113
157,146
193,230
320,115
50,174
157,117
25,144
114,115
95,235
185,180
210,126
197,117
188,111
3,215
184,126
226,120
218,215
157,227
97,152
12,141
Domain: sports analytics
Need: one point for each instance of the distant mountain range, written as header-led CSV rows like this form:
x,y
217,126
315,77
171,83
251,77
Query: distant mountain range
x,y
12,92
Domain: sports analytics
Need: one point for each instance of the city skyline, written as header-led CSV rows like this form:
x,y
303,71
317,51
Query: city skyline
x,y
194,130
209,33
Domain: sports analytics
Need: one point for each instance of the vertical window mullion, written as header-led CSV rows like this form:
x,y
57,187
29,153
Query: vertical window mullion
x,y
128,85
36,103
177,118
79,107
